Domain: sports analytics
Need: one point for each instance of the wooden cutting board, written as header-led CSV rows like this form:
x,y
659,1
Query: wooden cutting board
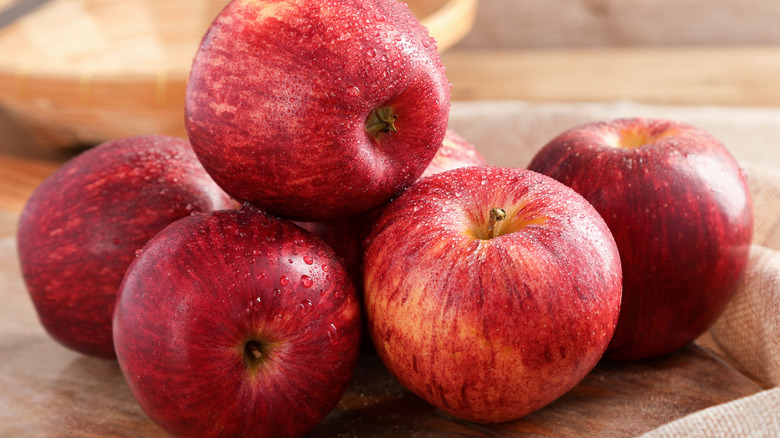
x,y
47,390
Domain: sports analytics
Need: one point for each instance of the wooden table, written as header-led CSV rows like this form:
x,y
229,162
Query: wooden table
x,y
47,390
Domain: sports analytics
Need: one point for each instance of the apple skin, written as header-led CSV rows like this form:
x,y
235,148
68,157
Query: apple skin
x,y
280,95
455,152
81,228
490,329
207,287
681,213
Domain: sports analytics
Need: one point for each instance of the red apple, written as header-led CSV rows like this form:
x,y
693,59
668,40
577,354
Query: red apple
x,y
681,213
314,109
455,152
80,229
490,292
237,324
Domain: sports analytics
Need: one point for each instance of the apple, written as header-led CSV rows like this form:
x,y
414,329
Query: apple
x,y
80,229
681,213
237,323
489,291
313,109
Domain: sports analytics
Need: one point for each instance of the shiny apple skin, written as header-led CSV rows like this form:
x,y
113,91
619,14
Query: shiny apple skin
x,y
203,288
280,92
681,213
80,229
490,330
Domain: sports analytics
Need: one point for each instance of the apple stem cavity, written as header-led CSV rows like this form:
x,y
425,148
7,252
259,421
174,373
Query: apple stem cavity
x,y
633,138
497,214
381,121
255,354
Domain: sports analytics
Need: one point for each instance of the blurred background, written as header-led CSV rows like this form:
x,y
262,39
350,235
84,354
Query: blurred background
x,y
74,73
689,52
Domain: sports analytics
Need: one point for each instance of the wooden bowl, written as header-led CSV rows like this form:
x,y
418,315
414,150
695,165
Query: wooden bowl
x,y
86,71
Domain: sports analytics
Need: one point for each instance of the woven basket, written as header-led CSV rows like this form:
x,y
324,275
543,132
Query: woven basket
x,y
86,71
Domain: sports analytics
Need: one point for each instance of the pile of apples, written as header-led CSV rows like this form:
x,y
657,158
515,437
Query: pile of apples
x,y
320,195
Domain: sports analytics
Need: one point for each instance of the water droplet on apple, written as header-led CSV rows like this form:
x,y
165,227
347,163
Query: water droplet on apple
x,y
333,334
305,305
306,281
284,281
325,268
371,53
277,292
138,252
308,260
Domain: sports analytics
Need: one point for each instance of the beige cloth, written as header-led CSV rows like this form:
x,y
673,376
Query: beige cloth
x,y
747,335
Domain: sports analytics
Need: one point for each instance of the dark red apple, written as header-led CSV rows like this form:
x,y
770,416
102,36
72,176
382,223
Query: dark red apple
x,y
237,323
314,109
80,229
490,292
681,213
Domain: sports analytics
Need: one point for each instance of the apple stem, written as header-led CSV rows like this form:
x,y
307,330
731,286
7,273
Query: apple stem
x,y
255,354
497,214
254,350
381,121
